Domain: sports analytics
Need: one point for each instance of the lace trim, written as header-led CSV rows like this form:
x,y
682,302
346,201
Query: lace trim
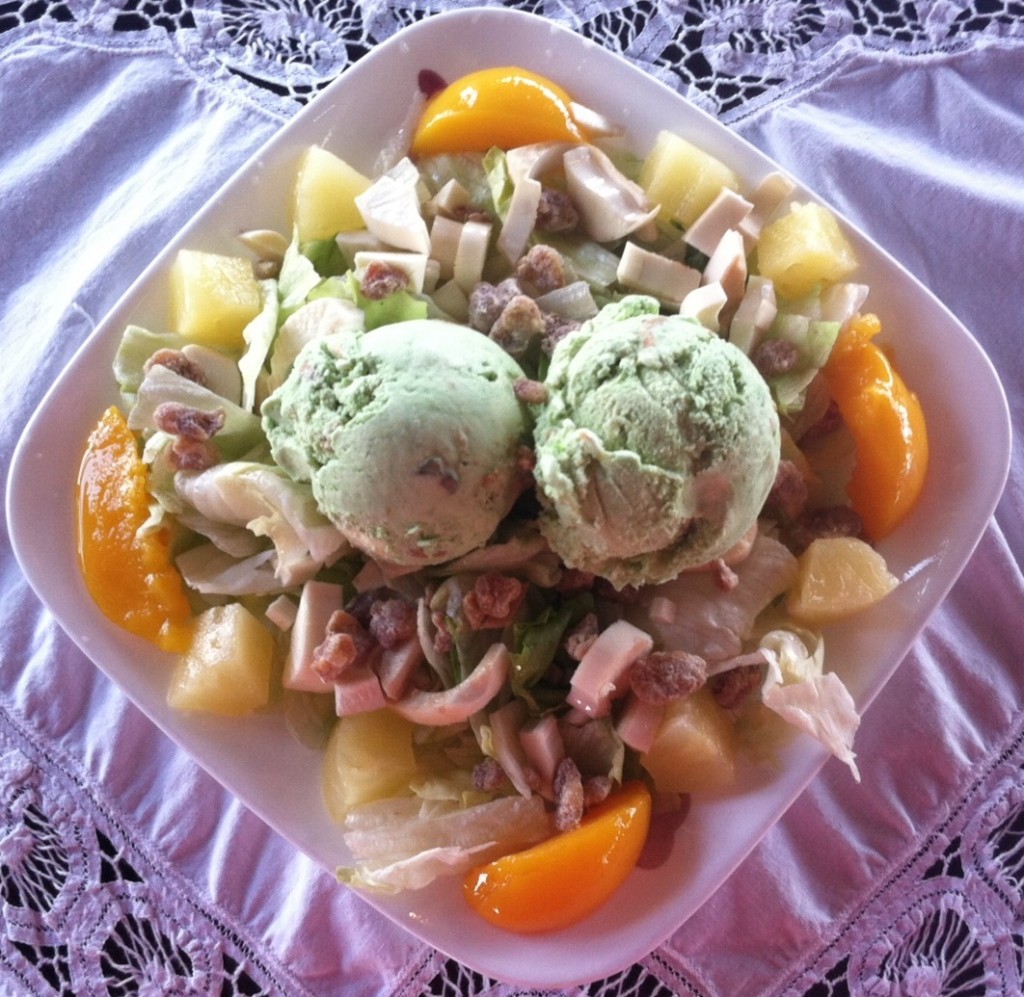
x,y
722,54
84,912
939,927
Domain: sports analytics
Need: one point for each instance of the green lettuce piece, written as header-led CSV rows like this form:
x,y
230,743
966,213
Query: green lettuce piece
x,y
259,338
268,503
814,340
326,257
466,168
403,843
498,181
242,433
535,645
297,278
400,306
136,347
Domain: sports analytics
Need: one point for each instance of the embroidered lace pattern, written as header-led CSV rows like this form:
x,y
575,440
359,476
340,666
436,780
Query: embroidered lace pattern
x,y
722,54
936,928
85,910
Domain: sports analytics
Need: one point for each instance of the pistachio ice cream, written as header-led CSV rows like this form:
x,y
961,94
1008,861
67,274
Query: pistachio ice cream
x,y
656,448
410,434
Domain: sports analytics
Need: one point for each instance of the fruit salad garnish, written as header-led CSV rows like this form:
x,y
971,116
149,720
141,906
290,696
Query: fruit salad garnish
x,y
522,481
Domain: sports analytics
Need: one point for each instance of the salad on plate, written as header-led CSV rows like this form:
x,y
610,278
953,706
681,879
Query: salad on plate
x,y
522,479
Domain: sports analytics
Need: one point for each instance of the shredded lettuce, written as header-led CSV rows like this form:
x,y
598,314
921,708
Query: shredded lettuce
x,y
297,278
818,704
814,340
259,337
136,347
268,503
399,306
242,433
499,181
404,844
467,169
210,571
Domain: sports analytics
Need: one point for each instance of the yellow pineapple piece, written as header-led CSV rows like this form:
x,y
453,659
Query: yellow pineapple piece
x,y
836,578
325,191
682,178
213,298
369,756
227,668
695,749
803,249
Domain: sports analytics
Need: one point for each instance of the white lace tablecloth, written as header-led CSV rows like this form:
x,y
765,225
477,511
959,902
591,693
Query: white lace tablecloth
x,y
124,869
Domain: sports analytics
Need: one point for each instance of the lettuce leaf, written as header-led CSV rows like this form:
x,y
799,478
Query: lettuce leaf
x,y
136,347
406,843
268,503
818,704
259,338
242,434
498,181
210,571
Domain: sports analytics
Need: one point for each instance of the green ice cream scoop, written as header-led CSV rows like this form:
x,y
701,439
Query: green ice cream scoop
x,y
410,435
656,448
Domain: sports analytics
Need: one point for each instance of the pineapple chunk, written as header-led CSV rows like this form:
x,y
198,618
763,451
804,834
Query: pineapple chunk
x,y
369,756
325,191
226,670
836,578
682,178
213,298
803,249
695,749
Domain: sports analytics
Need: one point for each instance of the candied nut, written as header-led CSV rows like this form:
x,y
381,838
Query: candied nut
x,y
187,422
556,328
596,790
493,601
788,494
663,676
488,301
531,392
392,621
345,645
829,422
488,775
179,362
193,455
578,640
519,322
382,279
730,688
556,212
774,357
569,795
824,522
429,82
542,268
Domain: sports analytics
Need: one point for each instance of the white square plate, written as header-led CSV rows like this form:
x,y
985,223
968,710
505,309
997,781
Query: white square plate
x,y
357,116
